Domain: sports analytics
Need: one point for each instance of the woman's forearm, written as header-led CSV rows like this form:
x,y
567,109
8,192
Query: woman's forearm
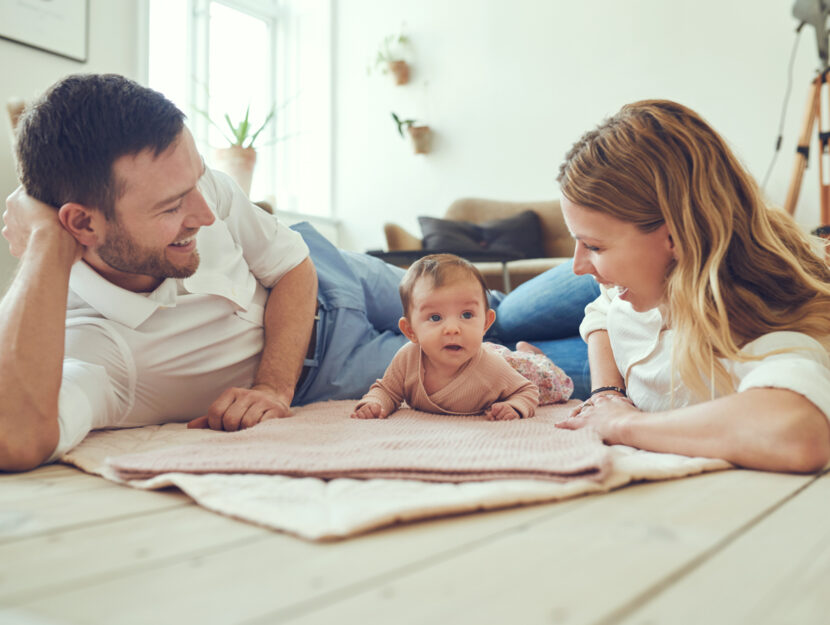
x,y
604,370
764,428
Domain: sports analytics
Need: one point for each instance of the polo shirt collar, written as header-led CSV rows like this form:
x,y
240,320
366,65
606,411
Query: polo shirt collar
x,y
116,304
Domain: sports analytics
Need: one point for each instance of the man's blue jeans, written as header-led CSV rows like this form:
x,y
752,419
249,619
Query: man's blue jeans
x,y
359,309
357,334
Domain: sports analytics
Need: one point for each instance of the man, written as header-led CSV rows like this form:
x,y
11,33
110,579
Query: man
x,y
150,289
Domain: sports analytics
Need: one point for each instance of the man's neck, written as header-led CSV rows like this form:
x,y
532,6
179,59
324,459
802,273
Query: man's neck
x,y
137,283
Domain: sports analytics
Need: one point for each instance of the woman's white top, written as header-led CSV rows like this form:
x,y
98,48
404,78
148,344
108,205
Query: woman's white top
x,y
643,352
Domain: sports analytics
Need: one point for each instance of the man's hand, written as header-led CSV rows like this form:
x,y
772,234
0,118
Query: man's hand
x,y
240,408
24,216
501,411
371,410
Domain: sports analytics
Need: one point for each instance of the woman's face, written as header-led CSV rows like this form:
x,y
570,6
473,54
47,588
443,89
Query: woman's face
x,y
618,254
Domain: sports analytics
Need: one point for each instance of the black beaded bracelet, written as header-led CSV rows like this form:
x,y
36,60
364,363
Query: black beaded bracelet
x,y
608,388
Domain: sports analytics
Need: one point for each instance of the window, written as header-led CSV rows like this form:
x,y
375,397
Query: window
x,y
218,57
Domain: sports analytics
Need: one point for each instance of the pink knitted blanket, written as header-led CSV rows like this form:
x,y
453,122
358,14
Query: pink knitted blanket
x,y
321,441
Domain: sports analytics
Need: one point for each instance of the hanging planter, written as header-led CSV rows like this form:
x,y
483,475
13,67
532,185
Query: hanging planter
x,y
390,58
421,138
400,70
421,135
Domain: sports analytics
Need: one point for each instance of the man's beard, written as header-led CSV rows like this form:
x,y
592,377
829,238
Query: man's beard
x,y
122,253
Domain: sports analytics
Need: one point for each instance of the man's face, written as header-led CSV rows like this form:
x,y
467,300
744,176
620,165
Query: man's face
x,y
125,254
157,216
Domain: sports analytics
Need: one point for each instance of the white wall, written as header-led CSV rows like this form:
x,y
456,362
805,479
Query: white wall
x,y
509,86
26,73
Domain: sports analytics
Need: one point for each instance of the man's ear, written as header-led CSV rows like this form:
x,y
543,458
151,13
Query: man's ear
x,y
83,223
406,328
489,318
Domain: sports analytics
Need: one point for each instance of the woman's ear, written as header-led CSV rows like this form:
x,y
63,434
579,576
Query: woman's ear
x,y
83,223
406,328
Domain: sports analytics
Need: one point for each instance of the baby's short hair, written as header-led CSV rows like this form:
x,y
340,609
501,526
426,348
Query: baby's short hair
x,y
441,268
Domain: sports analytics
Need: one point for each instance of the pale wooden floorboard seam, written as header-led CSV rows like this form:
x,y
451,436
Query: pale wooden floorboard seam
x,y
670,580
92,523
334,596
91,580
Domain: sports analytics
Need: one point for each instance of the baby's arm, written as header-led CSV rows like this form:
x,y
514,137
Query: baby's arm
x,y
386,395
369,410
501,411
518,399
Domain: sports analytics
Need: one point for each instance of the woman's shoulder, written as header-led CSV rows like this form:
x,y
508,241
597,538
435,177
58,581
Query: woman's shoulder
x,y
789,342
787,360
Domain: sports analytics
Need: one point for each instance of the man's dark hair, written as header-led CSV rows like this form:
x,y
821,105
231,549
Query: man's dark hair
x,y
69,139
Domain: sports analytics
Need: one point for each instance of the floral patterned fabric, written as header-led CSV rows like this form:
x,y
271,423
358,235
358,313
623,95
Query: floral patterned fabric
x,y
554,384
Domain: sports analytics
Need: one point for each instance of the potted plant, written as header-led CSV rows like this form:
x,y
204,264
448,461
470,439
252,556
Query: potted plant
x,y
390,57
421,135
239,158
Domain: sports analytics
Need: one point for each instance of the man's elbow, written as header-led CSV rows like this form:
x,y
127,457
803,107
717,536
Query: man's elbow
x,y
23,448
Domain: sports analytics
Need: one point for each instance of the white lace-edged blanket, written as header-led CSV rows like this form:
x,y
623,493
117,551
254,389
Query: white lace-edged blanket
x,y
298,474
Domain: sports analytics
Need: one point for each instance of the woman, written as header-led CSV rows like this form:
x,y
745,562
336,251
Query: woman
x,y
711,335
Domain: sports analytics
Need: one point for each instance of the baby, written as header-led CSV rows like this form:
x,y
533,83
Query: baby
x,y
445,368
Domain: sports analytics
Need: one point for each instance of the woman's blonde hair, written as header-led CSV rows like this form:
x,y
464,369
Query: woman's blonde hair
x,y
742,269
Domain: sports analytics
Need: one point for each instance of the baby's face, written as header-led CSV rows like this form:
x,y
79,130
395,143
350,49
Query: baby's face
x,y
449,321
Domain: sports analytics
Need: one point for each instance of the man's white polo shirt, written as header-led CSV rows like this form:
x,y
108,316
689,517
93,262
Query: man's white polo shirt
x,y
135,359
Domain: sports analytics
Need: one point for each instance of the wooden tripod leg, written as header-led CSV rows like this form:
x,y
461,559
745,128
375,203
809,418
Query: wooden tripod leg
x,y
803,149
823,153
824,142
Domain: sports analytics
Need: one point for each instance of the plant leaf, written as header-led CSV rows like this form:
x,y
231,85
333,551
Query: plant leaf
x,y
243,133
261,128
399,123
215,125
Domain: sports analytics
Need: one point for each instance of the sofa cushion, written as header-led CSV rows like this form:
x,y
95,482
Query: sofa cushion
x,y
520,234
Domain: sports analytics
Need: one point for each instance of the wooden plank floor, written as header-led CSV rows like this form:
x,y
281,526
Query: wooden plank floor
x,y
726,547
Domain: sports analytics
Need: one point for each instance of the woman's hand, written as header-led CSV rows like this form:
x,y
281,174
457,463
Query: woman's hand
x,y
605,413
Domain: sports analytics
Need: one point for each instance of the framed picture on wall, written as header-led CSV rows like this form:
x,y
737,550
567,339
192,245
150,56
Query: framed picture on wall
x,y
56,26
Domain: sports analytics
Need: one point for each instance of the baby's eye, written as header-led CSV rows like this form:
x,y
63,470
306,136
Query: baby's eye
x,y
467,314
590,248
435,317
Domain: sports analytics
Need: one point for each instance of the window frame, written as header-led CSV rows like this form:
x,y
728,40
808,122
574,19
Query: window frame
x,y
281,73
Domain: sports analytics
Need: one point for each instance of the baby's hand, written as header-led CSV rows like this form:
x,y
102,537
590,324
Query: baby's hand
x,y
369,411
501,411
